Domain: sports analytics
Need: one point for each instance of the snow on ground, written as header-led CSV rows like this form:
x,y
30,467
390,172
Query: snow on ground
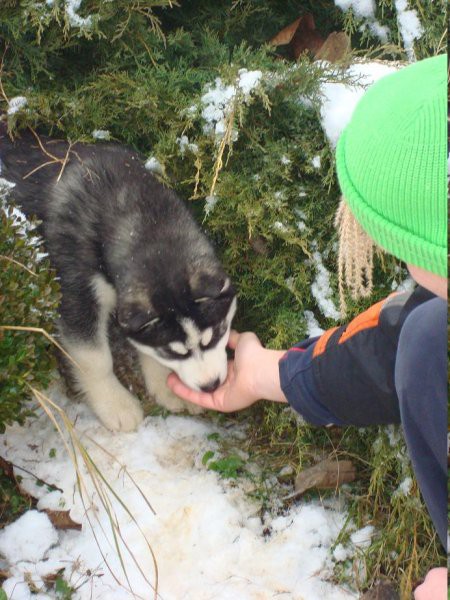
x,y
207,535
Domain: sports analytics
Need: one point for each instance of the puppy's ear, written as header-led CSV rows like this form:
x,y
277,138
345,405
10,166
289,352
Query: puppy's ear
x,y
133,317
210,285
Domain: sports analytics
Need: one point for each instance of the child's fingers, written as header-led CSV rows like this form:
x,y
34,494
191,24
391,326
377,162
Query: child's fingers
x,y
180,389
233,339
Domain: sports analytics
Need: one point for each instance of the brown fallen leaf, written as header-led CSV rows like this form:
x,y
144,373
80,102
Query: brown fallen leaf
x,y
306,37
301,35
61,519
336,47
285,35
327,474
7,469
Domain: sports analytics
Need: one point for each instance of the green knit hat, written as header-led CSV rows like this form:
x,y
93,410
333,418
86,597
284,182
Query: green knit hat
x,y
392,164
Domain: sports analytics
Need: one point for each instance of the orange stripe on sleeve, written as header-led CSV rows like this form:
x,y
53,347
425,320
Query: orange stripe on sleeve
x,y
365,320
322,342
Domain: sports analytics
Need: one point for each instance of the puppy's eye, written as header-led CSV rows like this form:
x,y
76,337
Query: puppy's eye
x,y
149,323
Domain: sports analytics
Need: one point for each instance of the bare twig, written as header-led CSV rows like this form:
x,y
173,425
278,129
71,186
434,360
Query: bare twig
x,y
49,162
64,162
19,264
43,332
102,487
2,90
46,152
39,479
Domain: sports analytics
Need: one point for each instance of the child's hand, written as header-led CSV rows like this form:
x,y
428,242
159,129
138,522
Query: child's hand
x,y
434,587
252,375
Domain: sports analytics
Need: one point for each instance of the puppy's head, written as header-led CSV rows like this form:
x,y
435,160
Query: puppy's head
x,y
184,323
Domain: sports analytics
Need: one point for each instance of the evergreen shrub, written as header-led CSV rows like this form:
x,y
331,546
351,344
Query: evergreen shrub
x,y
259,176
28,299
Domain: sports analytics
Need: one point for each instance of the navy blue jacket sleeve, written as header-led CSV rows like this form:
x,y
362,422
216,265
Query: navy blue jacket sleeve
x,y
347,375
299,387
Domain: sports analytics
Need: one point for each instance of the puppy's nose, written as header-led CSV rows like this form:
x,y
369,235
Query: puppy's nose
x,y
211,386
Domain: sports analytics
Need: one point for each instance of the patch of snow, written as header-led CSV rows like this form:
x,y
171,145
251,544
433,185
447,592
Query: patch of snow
x,y
404,488
28,538
5,187
210,202
365,9
204,532
153,165
341,553
15,104
321,289
101,134
219,98
184,144
394,435
312,326
340,100
409,26
406,285
16,588
74,18
279,226
361,8
248,80
363,537
217,103
286,470
381,31
316,162
290,283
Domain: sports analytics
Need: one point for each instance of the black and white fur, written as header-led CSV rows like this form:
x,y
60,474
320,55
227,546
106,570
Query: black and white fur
x,y
125,247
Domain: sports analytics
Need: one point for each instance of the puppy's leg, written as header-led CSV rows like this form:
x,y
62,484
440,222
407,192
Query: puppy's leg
x,y
155,376
115,406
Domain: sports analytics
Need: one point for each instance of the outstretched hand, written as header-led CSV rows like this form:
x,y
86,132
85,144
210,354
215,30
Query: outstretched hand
x,y
252,375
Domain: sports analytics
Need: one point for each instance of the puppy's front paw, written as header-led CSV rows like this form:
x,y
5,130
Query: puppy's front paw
x,y
117,409
164,397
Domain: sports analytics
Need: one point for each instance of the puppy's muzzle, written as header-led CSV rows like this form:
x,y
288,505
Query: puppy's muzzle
x,y
211,386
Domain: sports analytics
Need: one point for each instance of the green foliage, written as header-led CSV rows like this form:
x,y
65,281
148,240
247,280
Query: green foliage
x,y
228,467
12,502
139,70
63,590
385,494
28,298
392,503
207,456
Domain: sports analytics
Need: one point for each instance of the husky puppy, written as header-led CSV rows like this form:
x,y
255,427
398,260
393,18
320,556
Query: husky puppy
x,y
124,247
